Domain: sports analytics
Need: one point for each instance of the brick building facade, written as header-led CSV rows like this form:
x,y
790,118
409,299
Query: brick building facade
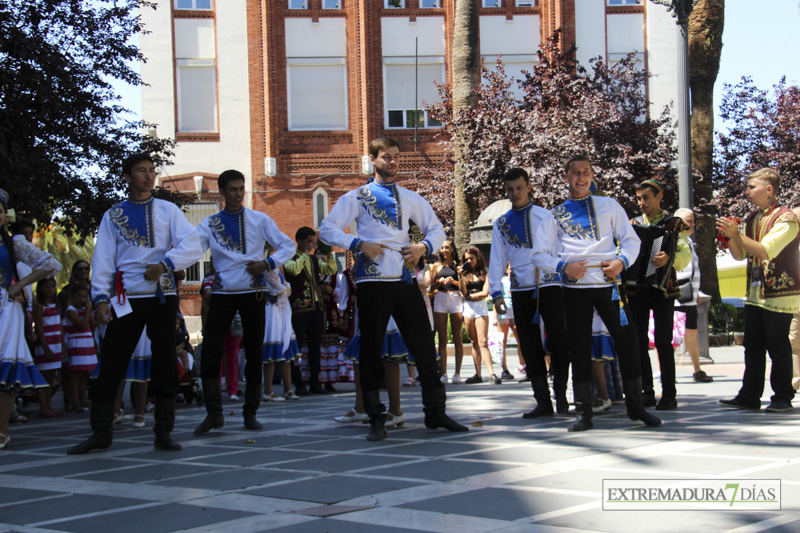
x,y
290,92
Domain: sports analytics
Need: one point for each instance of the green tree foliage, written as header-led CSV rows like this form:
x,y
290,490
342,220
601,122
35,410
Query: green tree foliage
x,y
764,132
64,248
565,109
62,131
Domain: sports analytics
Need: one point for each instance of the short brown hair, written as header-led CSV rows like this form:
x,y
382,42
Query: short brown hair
x,y
382,143
768,175
575,158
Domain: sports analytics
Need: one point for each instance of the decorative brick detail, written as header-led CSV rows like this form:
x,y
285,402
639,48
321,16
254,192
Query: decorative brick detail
x,y
196,137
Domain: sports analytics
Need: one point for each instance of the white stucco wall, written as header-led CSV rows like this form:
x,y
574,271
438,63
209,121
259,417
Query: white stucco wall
x,y
158,100
662,58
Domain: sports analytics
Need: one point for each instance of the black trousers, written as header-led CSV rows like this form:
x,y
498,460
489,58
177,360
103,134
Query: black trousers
x,y
551,309
221,310
377,301
122,336
766,331
580,304
663,317
310,325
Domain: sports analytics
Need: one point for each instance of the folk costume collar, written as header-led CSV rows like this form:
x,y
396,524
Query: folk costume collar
x,y
382,202
654,220
134,221
515,226
229,230
578,218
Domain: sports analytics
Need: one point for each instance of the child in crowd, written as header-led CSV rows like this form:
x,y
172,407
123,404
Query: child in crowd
x,y
77,325
47,354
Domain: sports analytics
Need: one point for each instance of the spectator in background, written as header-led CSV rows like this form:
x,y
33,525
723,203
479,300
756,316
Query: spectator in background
x,y
691,276
303,272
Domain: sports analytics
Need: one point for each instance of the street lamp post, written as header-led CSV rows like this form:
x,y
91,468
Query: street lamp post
x,y
681,10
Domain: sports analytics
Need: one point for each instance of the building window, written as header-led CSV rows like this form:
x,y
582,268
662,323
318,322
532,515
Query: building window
x,y
429,3
624,2
298,4
332,4
195,213
197,95
320,206
196,75
317,89
394,4
405,102
193,4
526,3
492,3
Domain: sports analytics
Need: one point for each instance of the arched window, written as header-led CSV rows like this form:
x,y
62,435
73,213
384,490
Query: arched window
x,y
320,206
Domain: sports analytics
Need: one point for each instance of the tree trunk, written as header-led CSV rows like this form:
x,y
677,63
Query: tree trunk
x,y
466,76
705,47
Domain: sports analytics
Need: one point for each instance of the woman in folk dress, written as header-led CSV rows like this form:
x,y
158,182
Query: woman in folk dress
x,y
17,371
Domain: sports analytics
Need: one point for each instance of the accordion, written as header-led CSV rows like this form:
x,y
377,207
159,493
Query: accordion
x,y
643,273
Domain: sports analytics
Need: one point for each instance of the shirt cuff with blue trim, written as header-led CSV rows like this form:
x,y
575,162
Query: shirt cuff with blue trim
x,y
355,246
168,265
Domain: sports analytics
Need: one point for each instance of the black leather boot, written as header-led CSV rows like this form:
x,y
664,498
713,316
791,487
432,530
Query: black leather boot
x,y
434,404
252,399
101,418
560,377
583,407
541,391
633,403
377,429
164,416
212,395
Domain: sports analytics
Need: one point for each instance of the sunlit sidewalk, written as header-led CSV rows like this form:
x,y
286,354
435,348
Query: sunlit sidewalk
x,y
305,473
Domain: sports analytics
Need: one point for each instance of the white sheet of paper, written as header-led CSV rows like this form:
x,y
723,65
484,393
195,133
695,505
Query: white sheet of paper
x,y
121,309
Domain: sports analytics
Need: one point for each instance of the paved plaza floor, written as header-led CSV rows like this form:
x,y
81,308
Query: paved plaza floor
x,y
305,473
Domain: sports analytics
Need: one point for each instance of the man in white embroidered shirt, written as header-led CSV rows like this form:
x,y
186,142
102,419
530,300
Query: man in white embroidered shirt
x,y
141,242
596,242
236,236
384,280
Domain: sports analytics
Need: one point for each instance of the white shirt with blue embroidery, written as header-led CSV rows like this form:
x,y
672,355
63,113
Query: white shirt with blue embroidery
x,y
381,213
137,233
588,229
235,240
513,235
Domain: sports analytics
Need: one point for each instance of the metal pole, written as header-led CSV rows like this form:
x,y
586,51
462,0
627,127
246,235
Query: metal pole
x,y
684,113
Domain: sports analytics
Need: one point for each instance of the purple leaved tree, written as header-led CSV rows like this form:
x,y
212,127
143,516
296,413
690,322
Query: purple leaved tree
x,y
564,109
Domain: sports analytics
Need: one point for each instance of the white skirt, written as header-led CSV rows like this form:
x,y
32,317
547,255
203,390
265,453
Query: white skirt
x,y
17,371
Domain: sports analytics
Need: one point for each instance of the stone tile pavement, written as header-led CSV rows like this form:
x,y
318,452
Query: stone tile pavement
x,y
306,473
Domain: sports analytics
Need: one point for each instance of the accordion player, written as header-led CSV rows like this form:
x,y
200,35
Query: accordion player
x,y
643,273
